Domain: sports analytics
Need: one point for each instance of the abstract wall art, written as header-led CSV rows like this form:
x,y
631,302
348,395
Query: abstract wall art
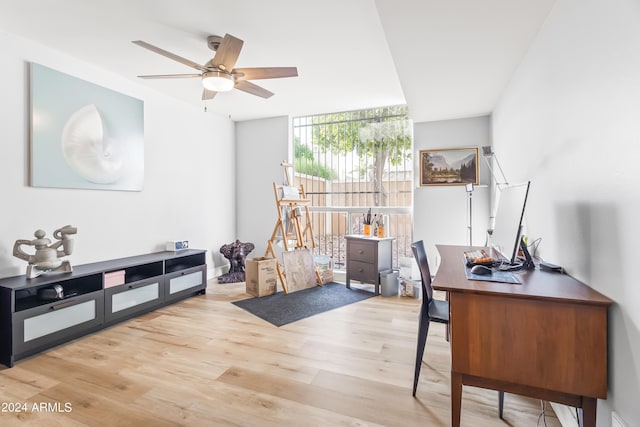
x,y
84,135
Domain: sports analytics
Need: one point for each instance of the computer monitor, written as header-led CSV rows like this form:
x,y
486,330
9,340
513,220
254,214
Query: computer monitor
x,y
505,238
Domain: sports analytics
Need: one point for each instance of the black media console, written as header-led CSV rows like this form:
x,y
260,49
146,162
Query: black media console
x,y
92,299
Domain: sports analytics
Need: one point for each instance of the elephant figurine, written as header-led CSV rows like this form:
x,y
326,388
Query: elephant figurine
x,y
236,253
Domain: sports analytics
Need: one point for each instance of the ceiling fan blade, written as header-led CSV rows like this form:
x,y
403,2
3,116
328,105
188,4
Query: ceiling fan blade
x,y
259,73
208,94
253,89
171,76
169,55
228,52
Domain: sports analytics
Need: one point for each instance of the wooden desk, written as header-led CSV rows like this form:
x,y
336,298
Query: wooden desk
x,y
545,338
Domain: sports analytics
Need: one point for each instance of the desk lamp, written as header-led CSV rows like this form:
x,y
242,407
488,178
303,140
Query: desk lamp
x,y
499,180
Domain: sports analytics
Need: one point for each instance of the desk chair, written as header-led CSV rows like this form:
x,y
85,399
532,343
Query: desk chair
x,y
432,310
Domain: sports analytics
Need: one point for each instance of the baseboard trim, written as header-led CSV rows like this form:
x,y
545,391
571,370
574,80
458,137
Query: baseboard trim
x,y
216,271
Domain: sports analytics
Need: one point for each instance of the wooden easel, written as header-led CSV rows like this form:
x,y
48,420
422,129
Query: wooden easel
x,y
293,225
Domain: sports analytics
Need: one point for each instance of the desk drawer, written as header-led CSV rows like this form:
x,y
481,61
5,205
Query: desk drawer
x,y
363,271
361,251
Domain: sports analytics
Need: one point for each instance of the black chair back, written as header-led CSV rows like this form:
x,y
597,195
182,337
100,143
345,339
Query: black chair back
x,y
423,263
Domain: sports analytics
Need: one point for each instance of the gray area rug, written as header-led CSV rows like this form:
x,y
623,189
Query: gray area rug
x,y
280,309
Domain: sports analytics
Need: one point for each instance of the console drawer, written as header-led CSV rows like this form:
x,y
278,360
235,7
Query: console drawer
x,y
46,325
133,298
185,282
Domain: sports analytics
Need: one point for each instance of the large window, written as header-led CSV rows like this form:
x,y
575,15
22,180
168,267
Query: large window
x,y
351,162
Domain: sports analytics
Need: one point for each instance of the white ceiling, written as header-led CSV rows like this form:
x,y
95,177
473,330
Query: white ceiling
x,y
445,59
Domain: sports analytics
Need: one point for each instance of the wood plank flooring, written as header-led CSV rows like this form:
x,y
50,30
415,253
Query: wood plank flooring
x,y
206,362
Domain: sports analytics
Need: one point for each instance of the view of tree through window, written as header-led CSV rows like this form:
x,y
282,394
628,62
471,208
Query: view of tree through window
x,y
351,162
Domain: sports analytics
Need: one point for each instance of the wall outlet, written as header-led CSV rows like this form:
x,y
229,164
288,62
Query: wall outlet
x,y
616,421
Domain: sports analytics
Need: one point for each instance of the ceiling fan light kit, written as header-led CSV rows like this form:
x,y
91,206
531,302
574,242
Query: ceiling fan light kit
x,y
218,74
217,81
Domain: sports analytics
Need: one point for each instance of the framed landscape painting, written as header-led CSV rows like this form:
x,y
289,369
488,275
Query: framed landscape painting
x,y
449,166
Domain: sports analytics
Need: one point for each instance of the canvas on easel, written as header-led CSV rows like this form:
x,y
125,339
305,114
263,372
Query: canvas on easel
x,y
300,269
293,230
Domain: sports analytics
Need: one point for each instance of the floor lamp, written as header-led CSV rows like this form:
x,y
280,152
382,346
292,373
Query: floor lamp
x,y
469,187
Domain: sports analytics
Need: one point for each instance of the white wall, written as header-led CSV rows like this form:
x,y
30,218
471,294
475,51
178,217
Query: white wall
x,y
261,145
441,213
570,122
187,167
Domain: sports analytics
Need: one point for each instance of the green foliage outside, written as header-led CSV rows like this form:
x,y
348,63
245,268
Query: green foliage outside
x,y
305,162
377,136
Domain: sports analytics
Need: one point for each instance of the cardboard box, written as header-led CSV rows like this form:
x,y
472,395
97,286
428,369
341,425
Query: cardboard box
x,y
410,288
324,265
261,276
113,278
326,276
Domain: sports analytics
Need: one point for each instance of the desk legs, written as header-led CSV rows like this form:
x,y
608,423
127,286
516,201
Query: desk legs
x,y
589,406
586,417
456,398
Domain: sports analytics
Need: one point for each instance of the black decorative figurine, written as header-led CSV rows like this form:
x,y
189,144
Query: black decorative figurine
x,y
236,253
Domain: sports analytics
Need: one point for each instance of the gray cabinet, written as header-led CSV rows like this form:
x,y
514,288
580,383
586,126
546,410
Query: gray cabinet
x,y
367,257
30,323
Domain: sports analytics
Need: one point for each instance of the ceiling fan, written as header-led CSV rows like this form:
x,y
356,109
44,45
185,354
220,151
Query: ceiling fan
x,y
218,74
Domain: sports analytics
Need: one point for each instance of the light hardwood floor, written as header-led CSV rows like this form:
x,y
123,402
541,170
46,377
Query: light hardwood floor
x,y
204,362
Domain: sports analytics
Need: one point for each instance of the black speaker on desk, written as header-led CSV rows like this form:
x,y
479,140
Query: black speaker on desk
x,y
528,261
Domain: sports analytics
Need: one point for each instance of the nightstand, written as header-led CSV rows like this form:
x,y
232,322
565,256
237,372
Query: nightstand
x,y
367,257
